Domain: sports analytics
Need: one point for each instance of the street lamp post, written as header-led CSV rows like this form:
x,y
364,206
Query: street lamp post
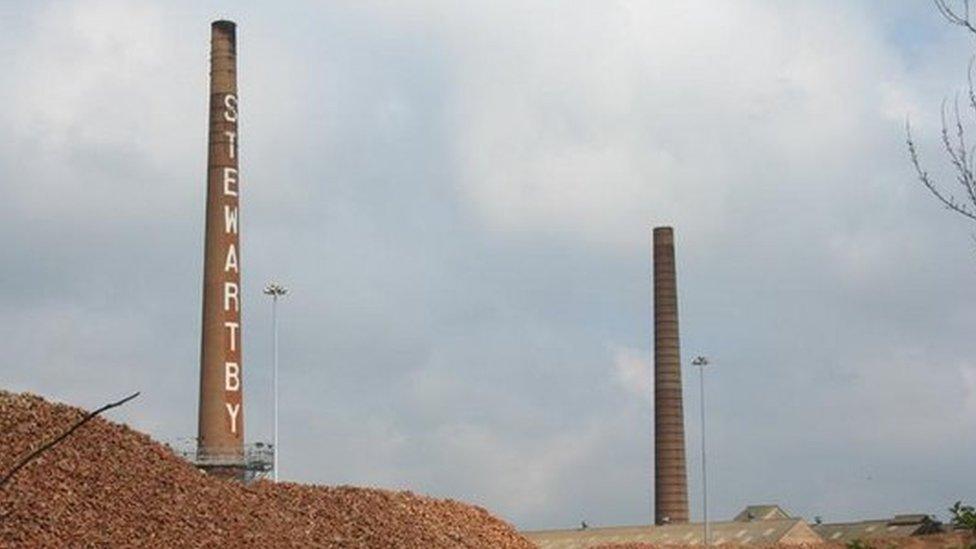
x,y
701,362
275,291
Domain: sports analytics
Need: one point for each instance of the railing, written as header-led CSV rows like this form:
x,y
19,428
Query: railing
x,y
257,457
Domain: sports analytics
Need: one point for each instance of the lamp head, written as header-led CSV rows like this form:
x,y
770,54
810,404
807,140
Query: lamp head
x,y
275,290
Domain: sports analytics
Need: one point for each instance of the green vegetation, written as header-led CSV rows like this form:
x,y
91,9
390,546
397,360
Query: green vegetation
x,y
963,516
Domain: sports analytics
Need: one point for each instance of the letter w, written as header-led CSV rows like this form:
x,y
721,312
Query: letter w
x,y
230,219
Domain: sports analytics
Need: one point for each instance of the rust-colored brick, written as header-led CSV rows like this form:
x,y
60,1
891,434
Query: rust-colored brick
x,y
221,419
670,477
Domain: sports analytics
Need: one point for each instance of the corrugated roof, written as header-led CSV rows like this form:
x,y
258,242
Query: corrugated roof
x,y
898,527
767,531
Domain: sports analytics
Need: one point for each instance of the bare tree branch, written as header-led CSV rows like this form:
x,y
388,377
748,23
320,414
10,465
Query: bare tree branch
x,y
961,18
947,200
958,156
31,456
961,157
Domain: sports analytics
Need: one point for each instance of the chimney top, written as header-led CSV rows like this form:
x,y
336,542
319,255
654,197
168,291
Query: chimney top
x,y
224,25
663,235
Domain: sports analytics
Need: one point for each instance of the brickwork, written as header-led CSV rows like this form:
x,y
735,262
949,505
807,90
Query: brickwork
x,y
670,476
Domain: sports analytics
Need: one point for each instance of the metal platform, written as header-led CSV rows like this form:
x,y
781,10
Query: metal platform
x,y
253,463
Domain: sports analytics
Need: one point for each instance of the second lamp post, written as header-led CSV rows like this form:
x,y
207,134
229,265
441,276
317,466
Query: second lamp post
x,y
275,291
701,362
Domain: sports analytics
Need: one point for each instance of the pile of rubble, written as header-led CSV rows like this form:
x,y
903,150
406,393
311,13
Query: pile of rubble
x,y
108,485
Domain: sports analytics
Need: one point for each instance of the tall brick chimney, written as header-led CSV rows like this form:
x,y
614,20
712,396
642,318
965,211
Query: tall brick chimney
x,y
670,477
221,413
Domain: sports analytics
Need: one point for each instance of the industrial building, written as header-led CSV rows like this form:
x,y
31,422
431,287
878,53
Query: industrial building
x,y
761,512
778,527
900,526
756,524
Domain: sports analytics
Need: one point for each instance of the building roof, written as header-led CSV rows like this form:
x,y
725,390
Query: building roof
x,y
761,512
910,519
897,527
785,531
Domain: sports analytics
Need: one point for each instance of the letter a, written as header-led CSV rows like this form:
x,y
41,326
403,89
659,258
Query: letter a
x,y
231,261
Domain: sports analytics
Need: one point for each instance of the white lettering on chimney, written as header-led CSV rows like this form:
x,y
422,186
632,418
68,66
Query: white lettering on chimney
x,y
233,410
230,178
231,293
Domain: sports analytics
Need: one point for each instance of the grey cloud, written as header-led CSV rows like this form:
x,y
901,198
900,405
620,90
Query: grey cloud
x,y
460,198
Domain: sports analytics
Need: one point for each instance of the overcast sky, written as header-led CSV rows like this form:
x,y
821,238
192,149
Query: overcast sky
x,y
460,196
